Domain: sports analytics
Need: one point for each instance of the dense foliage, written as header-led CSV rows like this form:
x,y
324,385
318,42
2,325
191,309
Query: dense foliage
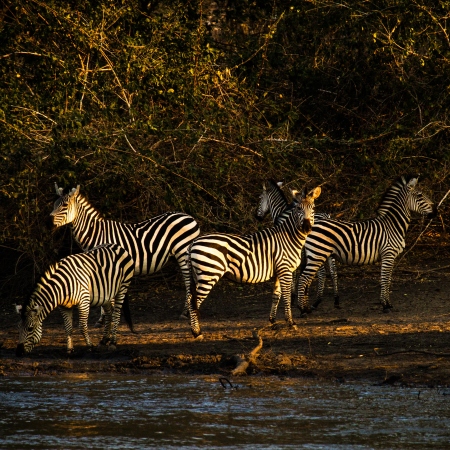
x,y
168,105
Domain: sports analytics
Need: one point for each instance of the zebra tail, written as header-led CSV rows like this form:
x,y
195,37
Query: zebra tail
x,y
193,292
127,312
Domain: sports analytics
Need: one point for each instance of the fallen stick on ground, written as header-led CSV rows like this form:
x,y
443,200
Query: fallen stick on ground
x,y
244,361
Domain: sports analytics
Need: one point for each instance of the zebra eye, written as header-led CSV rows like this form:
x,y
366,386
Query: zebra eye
x,y
29,329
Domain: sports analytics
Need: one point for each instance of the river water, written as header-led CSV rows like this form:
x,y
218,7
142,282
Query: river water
x,y
176,412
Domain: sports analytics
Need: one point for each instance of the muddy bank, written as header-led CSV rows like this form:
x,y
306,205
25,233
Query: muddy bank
x,y
410,345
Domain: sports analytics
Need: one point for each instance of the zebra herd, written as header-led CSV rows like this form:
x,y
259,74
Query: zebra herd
x,y
299,239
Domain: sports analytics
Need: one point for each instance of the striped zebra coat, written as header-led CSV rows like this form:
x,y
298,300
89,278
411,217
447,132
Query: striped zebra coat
x,y
273,201
99,277
255,258
150,243
368,241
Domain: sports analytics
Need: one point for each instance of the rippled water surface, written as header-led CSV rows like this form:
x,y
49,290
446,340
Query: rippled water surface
x,y
106,412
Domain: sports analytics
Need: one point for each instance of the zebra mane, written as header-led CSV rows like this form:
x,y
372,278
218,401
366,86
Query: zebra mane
x,y
274,185
392,190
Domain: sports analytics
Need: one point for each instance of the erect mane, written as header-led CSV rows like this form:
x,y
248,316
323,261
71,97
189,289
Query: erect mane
x,y
399,183
275,186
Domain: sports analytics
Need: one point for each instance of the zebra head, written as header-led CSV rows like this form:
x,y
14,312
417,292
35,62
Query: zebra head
x,y
306,206
417,201
65,208
271,200
30,327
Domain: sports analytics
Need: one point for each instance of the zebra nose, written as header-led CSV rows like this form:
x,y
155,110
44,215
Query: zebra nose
x,y
433,213
20,350
306,226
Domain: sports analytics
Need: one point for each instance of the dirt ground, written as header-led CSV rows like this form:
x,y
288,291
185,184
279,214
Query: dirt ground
x,y
409,346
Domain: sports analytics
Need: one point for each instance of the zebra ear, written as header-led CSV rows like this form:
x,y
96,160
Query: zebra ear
x,y
314,193
296,193
412,182
75,191
280,184
18,309
59,191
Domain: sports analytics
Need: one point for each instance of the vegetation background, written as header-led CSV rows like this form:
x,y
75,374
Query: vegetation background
x,y
165,105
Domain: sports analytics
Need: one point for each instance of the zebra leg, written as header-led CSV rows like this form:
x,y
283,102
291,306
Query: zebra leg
x,y
321,276
302,291
101,321
199,291
276,294
387,265
286,285
83,314
68,326
108,311
333,272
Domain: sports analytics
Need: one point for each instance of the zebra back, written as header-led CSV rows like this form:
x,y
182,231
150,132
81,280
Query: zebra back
x,y
150,242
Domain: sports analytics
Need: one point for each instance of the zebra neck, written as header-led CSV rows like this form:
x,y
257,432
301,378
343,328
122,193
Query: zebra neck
x,y
86,227
399,218
284,214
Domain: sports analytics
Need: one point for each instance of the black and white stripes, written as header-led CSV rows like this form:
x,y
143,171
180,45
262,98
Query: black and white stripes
x,y
99,277
368,241
273,201
150,243
273,252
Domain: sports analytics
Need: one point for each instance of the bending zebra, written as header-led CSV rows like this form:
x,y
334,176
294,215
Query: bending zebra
x,y
274,201
368,241
150,243
99,277
254,258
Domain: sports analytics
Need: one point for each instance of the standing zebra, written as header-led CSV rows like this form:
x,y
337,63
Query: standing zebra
x,y
150,243
368,241
99,277
274,201
254,258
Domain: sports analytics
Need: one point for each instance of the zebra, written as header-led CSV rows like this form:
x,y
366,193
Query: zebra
x,y
99,277
274,201
150,243
368,241
254,258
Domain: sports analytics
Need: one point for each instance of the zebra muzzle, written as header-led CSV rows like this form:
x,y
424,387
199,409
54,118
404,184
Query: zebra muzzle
x,y
306,226
433,213
20,350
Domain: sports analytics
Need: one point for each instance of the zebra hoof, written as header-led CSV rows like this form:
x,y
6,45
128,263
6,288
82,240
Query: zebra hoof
x,y
98,324
199,337
275,326
293,327
337,306
112,347
184,316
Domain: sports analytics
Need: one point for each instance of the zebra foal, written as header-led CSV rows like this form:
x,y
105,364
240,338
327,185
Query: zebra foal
x,y
367,241
99,277
254,258
273,201
150,243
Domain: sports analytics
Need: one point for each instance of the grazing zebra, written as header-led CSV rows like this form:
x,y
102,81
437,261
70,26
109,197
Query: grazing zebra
x,y
254,258
150,243
274,201
368,241
99,277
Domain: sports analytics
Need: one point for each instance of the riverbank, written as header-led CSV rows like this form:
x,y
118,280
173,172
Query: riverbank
x,y
408,346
